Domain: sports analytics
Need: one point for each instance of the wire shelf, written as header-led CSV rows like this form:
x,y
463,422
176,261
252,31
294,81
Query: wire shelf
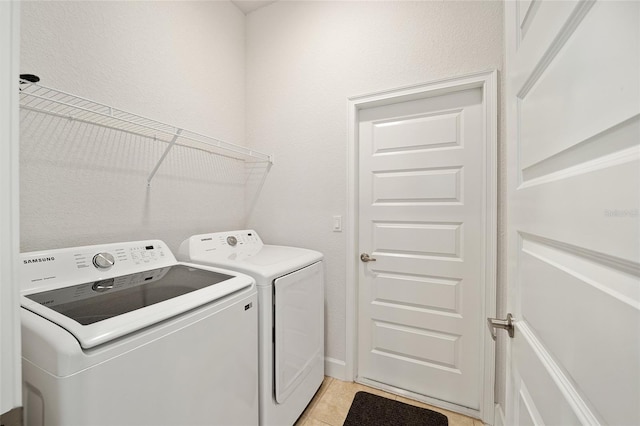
x,y
35,97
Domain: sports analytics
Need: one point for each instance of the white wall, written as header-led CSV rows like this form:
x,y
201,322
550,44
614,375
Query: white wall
x,y
304,59
178,62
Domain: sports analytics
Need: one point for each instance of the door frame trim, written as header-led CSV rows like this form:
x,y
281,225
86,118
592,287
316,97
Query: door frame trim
x,y
10,337
488,82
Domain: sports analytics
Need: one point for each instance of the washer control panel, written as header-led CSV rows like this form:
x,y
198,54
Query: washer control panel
x,y
103,260
52,268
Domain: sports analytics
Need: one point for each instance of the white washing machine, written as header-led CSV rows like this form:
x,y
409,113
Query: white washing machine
x,y
123,334
290,284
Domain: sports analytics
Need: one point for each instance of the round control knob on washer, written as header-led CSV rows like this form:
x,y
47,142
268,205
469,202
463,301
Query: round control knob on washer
x,y
232,241
103,260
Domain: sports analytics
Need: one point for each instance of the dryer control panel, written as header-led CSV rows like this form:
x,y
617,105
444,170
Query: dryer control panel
x,y
235,245
51,268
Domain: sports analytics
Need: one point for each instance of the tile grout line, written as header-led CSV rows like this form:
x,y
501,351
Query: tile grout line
x,y
316,399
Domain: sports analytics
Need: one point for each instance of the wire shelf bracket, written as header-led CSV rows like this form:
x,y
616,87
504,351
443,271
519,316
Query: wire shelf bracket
x,y
38,98
164,155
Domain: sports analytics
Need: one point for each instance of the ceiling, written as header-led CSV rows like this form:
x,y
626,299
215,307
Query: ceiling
x,y
248,6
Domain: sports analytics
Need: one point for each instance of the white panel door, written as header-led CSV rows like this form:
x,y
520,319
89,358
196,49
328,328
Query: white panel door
x,y
422,217
573,114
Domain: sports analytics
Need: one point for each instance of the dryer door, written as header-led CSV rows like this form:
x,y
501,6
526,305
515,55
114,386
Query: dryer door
x,y
299,327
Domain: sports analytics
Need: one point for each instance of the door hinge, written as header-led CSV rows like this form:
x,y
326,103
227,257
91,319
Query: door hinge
x,y
505,324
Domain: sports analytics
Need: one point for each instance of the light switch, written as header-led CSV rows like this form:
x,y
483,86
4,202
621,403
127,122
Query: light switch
x,y
337,224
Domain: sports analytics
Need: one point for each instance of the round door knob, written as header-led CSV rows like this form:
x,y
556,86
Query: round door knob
x,y
103,260
366,258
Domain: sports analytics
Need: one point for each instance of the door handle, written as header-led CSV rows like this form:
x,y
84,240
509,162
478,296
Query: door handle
x,y
506,324
366,258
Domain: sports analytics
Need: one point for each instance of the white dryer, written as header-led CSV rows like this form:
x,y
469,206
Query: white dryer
x,y
123,334
290,284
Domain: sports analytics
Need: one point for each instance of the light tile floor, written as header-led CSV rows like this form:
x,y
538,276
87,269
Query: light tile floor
x,y
333,400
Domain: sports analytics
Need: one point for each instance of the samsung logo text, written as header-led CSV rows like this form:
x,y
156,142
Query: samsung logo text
x,y
39,260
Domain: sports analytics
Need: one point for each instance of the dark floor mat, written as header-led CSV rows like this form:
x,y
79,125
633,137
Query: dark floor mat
x,y
373,410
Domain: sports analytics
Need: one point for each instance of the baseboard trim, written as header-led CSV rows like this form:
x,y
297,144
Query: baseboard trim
x,y
335,368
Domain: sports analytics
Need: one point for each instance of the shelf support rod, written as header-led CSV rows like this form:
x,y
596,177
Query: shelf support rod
x,y
164,155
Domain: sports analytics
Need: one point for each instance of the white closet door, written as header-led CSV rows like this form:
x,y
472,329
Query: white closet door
x,y
573,113
423,209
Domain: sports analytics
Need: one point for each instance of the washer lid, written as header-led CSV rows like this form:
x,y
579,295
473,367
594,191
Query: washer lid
x,y
100,311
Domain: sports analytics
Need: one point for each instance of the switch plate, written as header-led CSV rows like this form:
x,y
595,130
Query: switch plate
x,y
337,224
